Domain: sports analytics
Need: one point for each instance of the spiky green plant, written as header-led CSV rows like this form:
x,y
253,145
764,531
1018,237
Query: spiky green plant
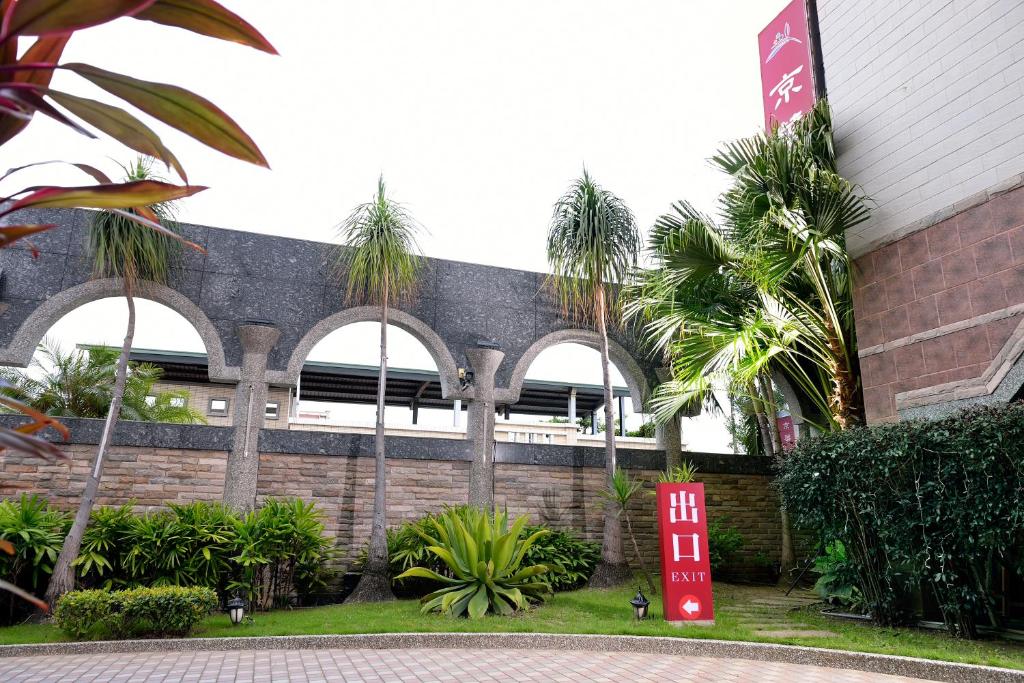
x,y
380,262
592,246
623,489
683,473
484,555
121,248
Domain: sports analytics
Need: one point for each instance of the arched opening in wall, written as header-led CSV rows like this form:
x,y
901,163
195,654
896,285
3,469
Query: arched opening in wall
x,y
73,369
337,387
562,401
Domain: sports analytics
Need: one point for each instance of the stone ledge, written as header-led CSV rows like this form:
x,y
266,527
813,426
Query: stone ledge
x,y
793,654
142,434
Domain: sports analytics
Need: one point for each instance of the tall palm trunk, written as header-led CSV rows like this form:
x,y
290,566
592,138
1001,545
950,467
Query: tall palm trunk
x,y
375,583
612,570
63,578
787,556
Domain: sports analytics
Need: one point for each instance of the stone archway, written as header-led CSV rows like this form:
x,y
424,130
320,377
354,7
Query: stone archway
x,y
23,345
636,380
446,366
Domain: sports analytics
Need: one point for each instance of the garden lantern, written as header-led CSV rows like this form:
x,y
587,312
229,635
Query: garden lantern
x,y
236,610
640,605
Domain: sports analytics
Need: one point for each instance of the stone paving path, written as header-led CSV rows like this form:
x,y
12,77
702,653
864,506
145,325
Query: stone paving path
x,y
766,615
422,666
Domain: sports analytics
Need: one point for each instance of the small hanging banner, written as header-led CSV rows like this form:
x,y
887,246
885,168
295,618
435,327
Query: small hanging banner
x,y
787,432
685,565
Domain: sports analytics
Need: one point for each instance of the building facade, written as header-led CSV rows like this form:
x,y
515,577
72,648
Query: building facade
x,y
928,103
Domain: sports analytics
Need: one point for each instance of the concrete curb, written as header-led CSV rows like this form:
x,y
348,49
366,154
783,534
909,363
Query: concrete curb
x,y
836,659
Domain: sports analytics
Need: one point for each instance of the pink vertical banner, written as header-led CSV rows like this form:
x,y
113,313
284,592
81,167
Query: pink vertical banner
x,y
787,72
787,432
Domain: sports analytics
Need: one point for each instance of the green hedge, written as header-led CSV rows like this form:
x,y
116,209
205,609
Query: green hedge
x,y
140,612
935,506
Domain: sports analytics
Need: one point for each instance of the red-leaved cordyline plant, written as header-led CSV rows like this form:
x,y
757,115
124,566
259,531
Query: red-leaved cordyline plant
x,y
25,91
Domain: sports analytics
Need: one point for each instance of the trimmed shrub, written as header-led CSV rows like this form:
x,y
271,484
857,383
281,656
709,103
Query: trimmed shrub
x,y
919,505
140,612
570,560
723,543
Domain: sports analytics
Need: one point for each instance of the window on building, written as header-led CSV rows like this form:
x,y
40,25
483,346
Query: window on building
x,y
177,401
218,406
151,401
273,410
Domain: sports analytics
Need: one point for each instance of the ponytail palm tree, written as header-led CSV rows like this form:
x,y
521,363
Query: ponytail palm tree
x,y
381,260
121,248
592,246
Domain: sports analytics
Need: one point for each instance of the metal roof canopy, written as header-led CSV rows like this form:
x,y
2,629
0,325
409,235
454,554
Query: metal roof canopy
x,y
351,383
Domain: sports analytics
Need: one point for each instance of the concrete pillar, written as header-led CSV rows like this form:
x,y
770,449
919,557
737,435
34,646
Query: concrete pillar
x,y
480,425
669,437
250,408
457,413
572,406
593,422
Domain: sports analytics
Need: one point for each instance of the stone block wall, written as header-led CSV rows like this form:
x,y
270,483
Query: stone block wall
x,y
151,477
554,485
938,311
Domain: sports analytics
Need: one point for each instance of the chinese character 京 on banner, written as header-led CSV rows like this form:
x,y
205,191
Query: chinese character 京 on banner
x,y
787,75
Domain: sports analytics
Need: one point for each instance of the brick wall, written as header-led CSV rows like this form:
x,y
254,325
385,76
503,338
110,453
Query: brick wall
x,y
936,310
569,498
151,477
342,487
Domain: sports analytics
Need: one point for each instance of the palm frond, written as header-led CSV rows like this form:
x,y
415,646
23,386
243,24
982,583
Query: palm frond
x,y
381,257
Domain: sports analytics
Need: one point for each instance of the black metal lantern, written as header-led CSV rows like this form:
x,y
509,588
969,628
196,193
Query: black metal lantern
x,y
640,605
236,610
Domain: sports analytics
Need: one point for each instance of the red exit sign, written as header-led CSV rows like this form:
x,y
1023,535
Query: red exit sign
x,y
685,565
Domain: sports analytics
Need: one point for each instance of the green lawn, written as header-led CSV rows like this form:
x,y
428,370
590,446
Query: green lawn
x,y
591,611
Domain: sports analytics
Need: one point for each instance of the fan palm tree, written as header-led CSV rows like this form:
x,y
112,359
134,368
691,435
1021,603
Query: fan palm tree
x,y
381,261
122,248
766,292
592,246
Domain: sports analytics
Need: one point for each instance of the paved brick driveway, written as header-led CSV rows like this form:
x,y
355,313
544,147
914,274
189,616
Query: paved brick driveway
x,y
328,666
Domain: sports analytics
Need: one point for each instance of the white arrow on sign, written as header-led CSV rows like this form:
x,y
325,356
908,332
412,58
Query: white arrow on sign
x,y
690,606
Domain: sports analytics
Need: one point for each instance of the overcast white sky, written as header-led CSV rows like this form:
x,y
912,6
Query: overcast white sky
x,y
477,113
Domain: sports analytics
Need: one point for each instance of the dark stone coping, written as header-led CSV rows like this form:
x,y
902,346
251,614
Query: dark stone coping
x,y
299,442
302,442
143,434
682,646
629,458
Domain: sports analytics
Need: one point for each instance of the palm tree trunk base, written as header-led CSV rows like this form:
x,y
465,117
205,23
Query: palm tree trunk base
x,y
608,575
372,587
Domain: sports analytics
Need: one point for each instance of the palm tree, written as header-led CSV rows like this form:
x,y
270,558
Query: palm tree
x,y
767,292
592,246
381,260
122,248
80,384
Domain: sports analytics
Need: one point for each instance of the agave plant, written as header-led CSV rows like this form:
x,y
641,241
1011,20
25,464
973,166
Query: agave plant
x,y
484,555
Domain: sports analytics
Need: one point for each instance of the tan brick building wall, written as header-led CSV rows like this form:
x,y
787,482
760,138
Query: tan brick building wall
x,y
937,311
199,396
342,487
